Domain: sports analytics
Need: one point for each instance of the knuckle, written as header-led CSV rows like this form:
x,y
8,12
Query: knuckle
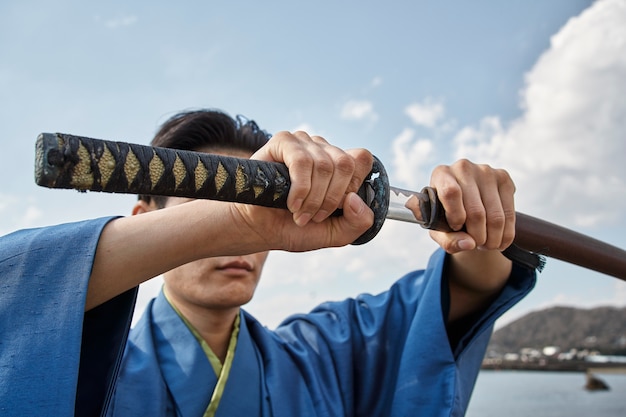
x,y
497,219
504,180
302,159
331,202
319,140
324,167
448,246
476,214
345,164
463,165
509,215
444,242
301,135
363,156
507,238
449,191
440,169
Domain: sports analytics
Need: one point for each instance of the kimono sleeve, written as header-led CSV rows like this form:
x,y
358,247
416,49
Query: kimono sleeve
x,y
43,285
389,354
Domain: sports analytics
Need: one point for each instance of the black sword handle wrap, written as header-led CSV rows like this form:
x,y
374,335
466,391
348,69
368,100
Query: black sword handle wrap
x,y
87,164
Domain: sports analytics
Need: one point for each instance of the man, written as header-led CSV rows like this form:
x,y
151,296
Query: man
x,y
416,347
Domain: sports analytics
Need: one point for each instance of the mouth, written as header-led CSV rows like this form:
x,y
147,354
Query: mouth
x,y
238,266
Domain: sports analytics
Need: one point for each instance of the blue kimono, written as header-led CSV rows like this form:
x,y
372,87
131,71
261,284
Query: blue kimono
x,y
384,355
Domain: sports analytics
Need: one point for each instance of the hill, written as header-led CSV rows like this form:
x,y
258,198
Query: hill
x,y
602,329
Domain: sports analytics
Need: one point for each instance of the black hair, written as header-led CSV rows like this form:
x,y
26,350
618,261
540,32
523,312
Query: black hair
x,y
207,129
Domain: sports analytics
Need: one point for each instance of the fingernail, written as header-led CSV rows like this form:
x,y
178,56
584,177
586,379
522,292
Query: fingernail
x,y
296,205
302,219
465,244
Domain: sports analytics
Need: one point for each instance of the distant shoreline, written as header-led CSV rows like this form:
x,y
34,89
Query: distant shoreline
x,y
552,365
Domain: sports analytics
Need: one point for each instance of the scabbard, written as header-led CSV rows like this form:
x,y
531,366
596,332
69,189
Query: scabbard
x,y
545,238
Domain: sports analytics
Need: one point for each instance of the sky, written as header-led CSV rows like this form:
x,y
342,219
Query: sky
x,y
534,87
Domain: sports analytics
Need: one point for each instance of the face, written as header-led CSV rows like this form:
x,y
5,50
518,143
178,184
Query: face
x,y
214,283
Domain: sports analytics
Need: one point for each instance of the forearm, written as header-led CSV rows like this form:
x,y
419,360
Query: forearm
x,y
475,279
134,249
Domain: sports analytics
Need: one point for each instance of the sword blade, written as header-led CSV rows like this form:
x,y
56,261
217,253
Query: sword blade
x,y
399,202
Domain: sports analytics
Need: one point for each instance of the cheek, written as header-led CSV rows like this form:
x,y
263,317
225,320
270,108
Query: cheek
x,y
188,277
259,259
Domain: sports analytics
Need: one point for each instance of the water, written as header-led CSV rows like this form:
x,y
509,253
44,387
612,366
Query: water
x,y
546,394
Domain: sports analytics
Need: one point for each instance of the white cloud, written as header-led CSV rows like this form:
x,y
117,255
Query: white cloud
x,y
5,202
617,298
19,213
411,159
427,113
31,216
571,138
120,21
305,127
358,110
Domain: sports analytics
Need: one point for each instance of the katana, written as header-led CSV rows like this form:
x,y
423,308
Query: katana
x,y
86,164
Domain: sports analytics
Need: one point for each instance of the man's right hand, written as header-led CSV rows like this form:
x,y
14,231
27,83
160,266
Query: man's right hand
x,y
323,179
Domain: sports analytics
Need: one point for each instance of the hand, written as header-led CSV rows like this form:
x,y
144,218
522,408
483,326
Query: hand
x,y
134,249
323,178
480,198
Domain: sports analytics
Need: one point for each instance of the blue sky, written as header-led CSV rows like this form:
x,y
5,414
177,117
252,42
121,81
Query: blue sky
x,y
534,87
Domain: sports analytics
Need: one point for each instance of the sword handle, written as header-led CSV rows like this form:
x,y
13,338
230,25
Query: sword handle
x,y
87,164
434,218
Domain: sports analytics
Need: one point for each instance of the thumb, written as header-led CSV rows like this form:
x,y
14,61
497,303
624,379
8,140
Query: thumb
x,y
357,218
453,242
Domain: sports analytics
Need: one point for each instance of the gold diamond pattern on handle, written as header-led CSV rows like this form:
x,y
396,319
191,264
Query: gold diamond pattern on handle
x,y
157,168
106,165
201,174
240,180
131,166
179,171
82,176
220,177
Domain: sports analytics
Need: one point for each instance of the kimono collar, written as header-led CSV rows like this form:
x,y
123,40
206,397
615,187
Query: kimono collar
x,y
190,376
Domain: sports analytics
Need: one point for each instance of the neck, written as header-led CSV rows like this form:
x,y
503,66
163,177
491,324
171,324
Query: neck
x,y
215,326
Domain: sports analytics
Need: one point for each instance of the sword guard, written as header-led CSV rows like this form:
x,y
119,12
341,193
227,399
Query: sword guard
x,y
375,192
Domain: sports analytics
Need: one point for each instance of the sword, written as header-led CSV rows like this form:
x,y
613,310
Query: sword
x,y
86,164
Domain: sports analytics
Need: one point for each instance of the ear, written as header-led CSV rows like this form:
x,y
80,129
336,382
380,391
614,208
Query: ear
x,y
142,207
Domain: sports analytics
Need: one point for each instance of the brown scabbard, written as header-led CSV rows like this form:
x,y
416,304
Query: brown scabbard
x,y
545,238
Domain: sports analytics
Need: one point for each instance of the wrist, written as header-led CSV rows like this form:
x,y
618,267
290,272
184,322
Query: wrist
x,y
479,271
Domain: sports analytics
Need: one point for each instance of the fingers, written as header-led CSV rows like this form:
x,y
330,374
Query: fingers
x,y
479,206
321,174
